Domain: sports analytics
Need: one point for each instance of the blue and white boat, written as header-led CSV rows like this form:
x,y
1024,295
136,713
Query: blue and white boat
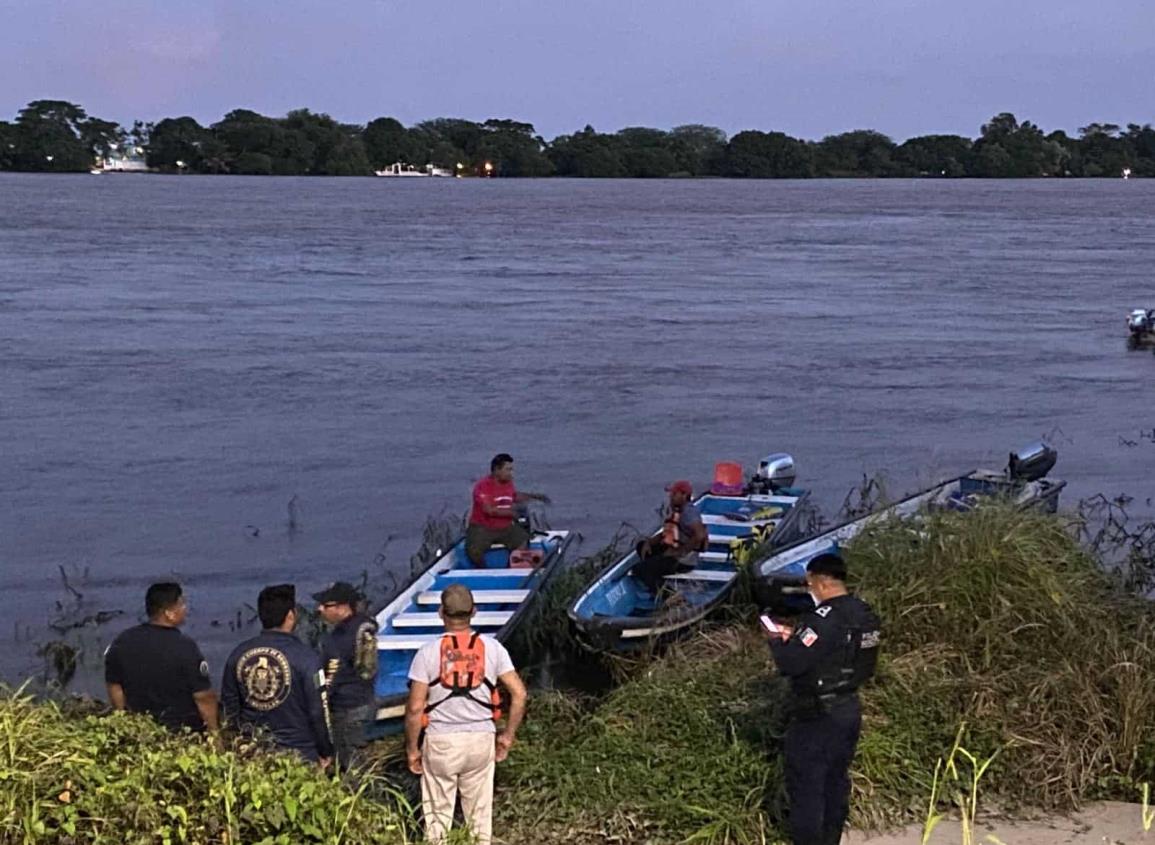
x,y
781,578
618,613
504,597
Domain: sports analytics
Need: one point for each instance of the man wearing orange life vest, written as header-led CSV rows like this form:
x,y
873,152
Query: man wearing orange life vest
x,y
453,694
683,536
492,518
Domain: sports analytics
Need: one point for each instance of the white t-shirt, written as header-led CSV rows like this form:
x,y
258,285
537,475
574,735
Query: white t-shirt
x,y
459,714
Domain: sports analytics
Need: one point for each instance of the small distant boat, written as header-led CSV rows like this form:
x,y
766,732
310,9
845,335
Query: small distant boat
x,y
616,612
781,579
504,595
1141,327
402,170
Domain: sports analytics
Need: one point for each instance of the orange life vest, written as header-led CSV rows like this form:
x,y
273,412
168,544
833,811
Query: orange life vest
x,y
463,671
672,529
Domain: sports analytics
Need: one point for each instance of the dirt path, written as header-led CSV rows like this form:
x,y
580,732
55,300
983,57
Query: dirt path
x,y
1109,823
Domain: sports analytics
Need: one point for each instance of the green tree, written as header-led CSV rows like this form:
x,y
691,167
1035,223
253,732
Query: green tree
x,y
645,152
49,137
387,141
101,137
699,150
1102,151
934,155
7,144
513,148
587,154
1010,149
253,164
465,135
1141,139
768,155
862,152
179,139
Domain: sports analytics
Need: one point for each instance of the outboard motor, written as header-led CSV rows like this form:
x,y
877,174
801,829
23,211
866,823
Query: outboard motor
x,y
774,473
1032,463
1141,322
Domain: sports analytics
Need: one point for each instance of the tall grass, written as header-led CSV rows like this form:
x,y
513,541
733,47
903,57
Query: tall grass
x,y
992,618
123,780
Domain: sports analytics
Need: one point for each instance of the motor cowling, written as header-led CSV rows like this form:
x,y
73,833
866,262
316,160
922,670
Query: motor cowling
x,y
1032,462
776,471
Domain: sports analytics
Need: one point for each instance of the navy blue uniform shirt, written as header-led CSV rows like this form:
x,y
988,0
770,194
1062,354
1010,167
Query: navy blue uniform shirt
x,y
349,652
832,650
274,682
159,669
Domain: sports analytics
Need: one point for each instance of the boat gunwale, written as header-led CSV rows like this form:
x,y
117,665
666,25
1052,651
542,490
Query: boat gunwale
x,y
675,621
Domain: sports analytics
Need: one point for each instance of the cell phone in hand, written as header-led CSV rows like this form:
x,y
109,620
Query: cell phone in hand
x,y
769,624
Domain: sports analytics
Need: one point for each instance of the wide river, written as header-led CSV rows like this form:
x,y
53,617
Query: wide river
x,y
181,357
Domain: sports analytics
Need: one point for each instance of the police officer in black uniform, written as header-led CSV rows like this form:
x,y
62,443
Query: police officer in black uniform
x,y
827,656
155,669
274,682
349,654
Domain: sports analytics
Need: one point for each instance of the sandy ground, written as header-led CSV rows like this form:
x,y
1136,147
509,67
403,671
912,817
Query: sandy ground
x,y
1108,823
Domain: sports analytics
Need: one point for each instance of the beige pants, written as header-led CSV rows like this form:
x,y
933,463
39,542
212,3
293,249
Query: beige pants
x,y
458,763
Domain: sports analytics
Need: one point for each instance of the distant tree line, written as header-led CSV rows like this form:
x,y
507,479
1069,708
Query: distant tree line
x,y
53,135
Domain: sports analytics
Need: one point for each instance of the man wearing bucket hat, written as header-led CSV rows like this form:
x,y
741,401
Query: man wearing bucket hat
x,y
683,536
349,656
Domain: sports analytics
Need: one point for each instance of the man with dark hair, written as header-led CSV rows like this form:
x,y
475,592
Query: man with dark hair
x,y
349,653
827,656
155,669
274,682
493,517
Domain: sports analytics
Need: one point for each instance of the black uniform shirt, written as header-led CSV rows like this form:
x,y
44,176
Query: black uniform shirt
x,y
350,655
274,682
159,669
817,652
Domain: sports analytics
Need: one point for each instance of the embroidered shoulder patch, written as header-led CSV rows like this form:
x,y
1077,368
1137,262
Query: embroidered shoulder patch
x,y
822,611
808,637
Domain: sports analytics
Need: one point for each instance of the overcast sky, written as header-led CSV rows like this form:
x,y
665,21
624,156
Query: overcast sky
x,y
807,67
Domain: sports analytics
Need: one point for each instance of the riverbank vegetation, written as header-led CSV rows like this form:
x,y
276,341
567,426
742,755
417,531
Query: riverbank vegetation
x,y
58,136
996,622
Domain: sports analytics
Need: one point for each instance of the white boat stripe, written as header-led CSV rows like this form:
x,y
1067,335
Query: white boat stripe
x,y
404,642
709,519
482,618
703,575
485,573
479,597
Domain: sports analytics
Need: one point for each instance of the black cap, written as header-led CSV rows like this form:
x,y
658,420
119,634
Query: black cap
x,y
830,564
339,592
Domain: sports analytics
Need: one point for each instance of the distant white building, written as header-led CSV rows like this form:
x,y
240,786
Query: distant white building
x,y
125,159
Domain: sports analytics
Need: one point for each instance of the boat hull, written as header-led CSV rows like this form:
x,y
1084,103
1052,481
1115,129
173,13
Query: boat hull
x,y
781,580
615,613
506,598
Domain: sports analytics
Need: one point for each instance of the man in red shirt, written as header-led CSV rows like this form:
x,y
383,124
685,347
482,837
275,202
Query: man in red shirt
x,y
493,518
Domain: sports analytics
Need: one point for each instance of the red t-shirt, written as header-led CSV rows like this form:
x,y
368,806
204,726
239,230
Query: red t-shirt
x,y
492,492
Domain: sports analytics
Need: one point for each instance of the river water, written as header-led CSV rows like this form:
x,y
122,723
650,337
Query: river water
x,y
182,356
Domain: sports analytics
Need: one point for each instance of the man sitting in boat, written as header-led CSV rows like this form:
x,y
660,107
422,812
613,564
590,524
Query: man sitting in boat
x,y
493,520
676,548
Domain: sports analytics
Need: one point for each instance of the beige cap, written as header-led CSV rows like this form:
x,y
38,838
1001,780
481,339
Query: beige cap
x,y
456,600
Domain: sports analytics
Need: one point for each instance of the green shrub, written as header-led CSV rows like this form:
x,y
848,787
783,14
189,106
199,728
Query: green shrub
x,y
123,780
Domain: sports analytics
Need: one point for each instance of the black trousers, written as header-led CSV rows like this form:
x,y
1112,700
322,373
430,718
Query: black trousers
x,y
652,570
819,750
